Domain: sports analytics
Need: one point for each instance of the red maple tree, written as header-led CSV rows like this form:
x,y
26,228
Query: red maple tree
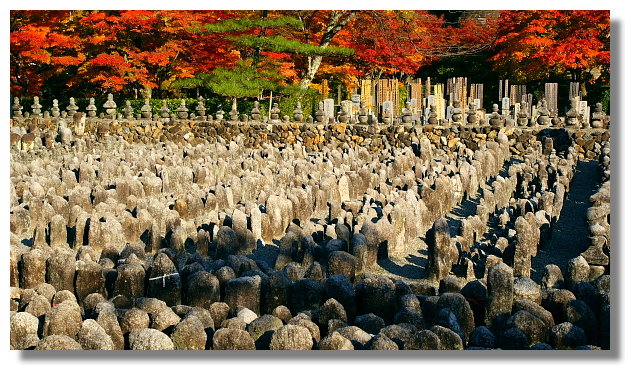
x,y
538,44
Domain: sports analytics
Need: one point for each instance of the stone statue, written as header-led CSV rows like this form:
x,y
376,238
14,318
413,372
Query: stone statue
x,y
181,112
433,118
495,118
110,107
146,109
72,108
233,114
36,107
17,108
255,112
457,115
598,118
275,113
91,109
572,119
165,111
363,113
319,114
200,107
472,117
128,112
522,115
342,116
406,114
55,110
543,113
220,114
298,115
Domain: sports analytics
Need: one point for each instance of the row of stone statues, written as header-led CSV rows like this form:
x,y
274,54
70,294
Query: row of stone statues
x,y
543,116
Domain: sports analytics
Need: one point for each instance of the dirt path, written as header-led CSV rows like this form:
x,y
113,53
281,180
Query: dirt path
x,y
570,233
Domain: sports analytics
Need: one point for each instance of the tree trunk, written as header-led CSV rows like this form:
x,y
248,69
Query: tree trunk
x,y
312,68
337,21
585,76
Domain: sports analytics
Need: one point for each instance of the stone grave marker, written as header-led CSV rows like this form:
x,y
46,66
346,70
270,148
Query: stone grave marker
x,y
347,106
505,106
583,110
516,110
448,110
413,102
551,96
329,108
387,108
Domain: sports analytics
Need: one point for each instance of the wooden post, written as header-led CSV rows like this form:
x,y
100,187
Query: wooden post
x,y
270,101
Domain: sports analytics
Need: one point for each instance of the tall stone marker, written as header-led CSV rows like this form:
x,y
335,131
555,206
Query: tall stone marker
x,y
329,108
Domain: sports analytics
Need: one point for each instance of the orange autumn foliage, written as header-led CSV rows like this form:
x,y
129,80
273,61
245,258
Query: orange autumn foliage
x,y
536,44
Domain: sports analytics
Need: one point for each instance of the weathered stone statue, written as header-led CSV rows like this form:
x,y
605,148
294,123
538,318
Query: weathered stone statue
x,y
71,108
433,118
342,116
522,117
146,109
298,115
128,112
165,111
363,113
111,107
572,119
36,107
200,107
17,108
255,112
55,110
457,113
275,113
598,118
495,118
220,114
91,109
543,113
406,114
387,113
181,112
233,114
319,114
472,117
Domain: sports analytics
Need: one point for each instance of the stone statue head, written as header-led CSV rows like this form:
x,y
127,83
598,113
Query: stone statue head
x,y
598,107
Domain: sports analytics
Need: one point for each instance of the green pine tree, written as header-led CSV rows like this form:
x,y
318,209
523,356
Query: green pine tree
x,y
254,73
